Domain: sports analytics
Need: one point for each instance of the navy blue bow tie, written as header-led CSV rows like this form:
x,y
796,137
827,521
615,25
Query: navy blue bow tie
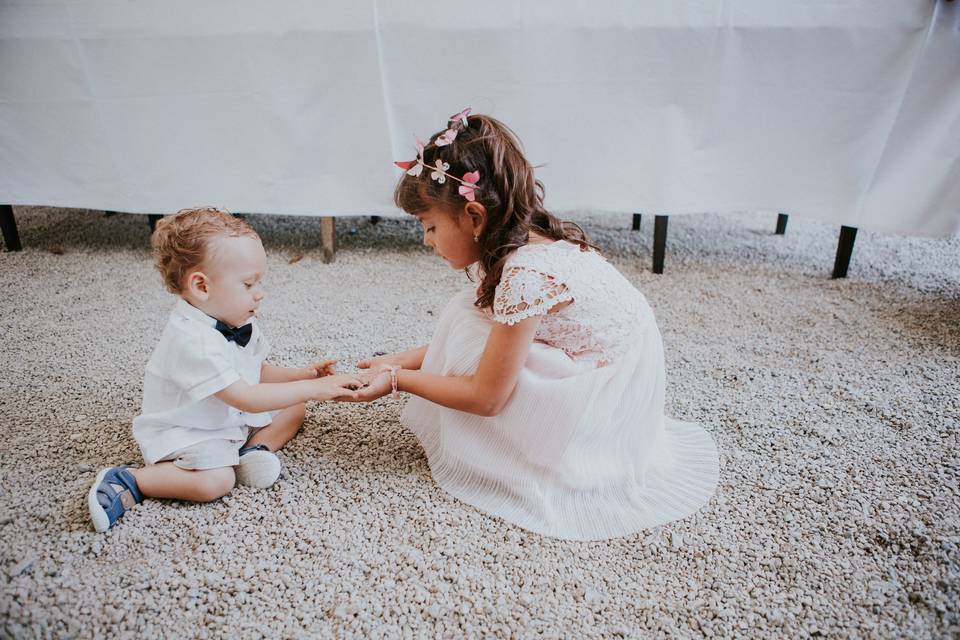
x,y
240,335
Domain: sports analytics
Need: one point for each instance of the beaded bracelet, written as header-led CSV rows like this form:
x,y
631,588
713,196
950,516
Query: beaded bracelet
x,y
394,392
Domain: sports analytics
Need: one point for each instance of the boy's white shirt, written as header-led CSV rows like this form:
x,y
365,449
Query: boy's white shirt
x,y
191,362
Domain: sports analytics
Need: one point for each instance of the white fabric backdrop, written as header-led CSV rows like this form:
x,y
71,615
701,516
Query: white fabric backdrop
x,y
847,111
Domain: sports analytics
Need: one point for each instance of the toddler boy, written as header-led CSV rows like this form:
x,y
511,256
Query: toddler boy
x,y
214,412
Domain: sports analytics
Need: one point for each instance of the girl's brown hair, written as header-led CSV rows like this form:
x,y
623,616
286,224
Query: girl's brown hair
x,y
180,241
507,188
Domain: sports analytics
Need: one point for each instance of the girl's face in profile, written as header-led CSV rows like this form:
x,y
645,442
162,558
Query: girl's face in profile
x,y
450,237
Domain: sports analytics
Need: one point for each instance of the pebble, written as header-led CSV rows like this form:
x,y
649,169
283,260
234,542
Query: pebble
x,y
22,566
676,539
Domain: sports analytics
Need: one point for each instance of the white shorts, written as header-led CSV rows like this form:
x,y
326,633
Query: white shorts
x,y
210,454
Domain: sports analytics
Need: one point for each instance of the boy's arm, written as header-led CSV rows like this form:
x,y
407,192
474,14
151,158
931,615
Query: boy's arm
x,y
271,396
272,373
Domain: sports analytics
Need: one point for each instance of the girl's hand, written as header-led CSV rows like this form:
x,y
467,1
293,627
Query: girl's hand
x,y
322,368
377,386
333,387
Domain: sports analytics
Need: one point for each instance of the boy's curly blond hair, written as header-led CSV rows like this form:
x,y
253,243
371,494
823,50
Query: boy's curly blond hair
x,y
180,241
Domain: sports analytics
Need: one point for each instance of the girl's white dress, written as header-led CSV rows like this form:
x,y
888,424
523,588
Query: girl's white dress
x,y
582,449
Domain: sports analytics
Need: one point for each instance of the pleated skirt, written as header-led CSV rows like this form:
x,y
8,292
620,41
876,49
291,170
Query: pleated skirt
x,y
579,452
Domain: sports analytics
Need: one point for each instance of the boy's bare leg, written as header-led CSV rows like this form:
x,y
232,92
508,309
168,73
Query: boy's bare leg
x,y
279,432
167,480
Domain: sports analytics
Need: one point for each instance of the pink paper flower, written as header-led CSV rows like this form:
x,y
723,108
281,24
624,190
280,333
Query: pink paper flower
x,y
469,185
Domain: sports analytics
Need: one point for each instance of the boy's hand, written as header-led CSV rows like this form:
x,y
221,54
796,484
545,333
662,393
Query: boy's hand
x,y
333,387
322,368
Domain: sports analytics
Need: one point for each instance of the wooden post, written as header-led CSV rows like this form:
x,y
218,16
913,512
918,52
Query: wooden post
x,y
328,238
11,237
781,223
636,221
844,251
659,242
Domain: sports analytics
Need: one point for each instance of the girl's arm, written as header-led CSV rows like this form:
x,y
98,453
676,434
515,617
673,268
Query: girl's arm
x,y
485,392
412,359
271,373
270,396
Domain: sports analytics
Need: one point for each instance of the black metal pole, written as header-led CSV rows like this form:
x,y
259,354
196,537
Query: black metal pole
x,y
844,251
636,221
11,237
659,242
781,223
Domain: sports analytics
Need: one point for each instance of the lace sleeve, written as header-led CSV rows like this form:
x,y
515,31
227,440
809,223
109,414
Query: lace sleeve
x,y
524,292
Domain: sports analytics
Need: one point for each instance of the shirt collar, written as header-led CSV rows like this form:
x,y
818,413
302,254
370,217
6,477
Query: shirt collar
x,y
190,312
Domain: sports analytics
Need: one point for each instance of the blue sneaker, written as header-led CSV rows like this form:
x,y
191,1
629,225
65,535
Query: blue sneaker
x,y
259,467
113,492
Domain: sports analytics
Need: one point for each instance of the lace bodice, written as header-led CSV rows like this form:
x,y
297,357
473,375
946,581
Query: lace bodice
x,y
605,312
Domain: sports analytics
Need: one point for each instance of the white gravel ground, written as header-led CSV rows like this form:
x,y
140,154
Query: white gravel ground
x,y
835,403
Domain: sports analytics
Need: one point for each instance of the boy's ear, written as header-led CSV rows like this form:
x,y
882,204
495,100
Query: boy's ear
x,y
198,285
477,215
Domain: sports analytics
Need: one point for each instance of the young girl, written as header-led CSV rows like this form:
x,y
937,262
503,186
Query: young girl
x,y
540,398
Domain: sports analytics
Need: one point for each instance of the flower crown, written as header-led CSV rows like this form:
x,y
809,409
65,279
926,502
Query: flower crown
x,y
468,182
